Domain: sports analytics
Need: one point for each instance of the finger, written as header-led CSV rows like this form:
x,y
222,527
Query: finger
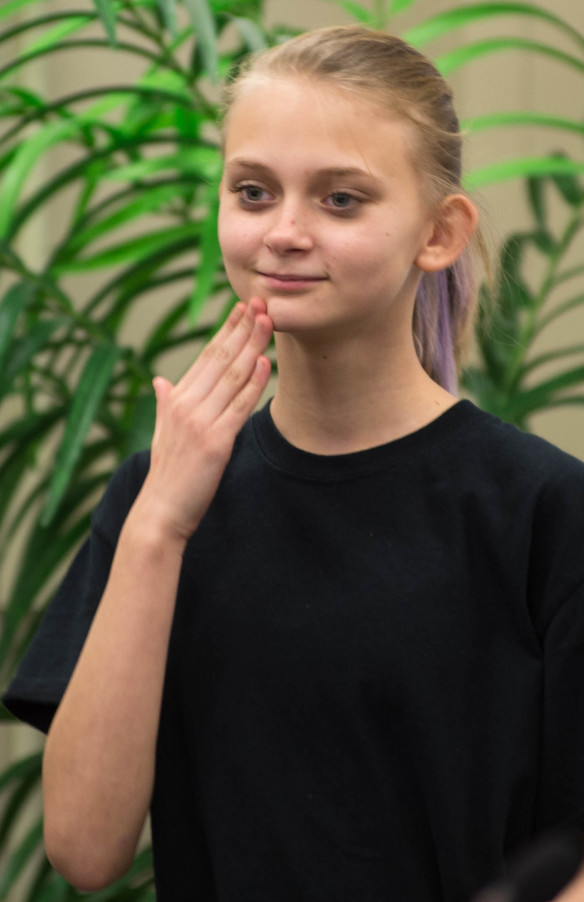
x,y
258,304
162,389
246,315
243,403
219,352
228,327
232,380
218,360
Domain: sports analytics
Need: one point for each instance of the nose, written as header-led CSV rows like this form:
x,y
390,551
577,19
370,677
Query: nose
x,y
289,230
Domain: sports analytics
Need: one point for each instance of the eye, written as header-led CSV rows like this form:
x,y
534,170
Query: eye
x,y
343,201
251,195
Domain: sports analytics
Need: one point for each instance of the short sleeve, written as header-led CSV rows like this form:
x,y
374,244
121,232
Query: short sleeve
x,y
45,670
557,585
561,796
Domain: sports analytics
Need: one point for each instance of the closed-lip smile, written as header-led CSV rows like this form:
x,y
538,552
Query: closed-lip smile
x,y
291,277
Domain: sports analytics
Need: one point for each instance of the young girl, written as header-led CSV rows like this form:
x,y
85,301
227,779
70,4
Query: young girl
x,y
336,647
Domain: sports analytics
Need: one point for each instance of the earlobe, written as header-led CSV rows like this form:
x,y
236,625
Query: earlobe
x,y
454,226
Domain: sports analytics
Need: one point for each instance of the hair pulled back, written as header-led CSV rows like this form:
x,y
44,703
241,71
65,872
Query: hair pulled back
x,y
385,70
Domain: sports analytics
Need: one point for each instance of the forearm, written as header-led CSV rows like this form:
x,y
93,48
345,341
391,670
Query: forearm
x,y
99,760
100,753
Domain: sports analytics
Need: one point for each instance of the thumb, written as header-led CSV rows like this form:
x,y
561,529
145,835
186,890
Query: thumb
x,y
162,388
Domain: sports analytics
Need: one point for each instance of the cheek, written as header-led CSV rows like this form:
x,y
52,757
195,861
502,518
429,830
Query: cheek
x,y
235,239
234,243
225,233
360,256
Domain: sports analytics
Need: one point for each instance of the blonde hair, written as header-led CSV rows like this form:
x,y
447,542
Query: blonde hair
x,y
384,69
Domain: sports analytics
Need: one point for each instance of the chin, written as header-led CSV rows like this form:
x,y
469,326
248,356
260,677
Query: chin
x,y
286,318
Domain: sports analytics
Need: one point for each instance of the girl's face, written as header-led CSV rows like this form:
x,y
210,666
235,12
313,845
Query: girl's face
x,y
321,212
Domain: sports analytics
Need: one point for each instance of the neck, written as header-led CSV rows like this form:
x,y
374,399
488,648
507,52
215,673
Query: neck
x,y
333,399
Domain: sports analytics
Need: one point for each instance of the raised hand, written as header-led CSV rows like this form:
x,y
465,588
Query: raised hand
x,y
101,749
198,419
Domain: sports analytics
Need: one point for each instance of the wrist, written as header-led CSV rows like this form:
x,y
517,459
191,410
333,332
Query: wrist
x,y
148,525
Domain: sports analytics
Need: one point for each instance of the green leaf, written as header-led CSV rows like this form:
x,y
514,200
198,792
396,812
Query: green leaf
x,y
130,283
460,16
141,428
28,98
527,401
17,801
202,161
54,35
358,12
83,490
452,60
20,858
551,356
568,185
522,168
133,250
187,123
209,262
149,96
6,716
27,428
158,337
24,160
89,393
536,197
572,273
48,886
10,7
544,241
11,473
251,33
566,401
46,551
14,302
399,6
82,169
24,349
20,770
136,49
559,311
204,24
168,10
520,118
141,203
105,9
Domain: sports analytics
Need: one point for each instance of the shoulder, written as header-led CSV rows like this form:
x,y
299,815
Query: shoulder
x,y
540,490
527,495
520,456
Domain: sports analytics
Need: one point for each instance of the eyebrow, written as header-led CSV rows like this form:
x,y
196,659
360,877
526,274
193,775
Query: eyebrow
x,y
335,171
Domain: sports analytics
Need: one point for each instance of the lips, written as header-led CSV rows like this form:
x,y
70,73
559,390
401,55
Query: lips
x,y
291,277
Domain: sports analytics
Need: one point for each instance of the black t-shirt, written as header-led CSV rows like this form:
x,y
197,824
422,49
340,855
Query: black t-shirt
x,y
375,681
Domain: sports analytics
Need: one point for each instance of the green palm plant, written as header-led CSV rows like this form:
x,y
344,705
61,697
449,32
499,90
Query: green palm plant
x,y
132,170
511,378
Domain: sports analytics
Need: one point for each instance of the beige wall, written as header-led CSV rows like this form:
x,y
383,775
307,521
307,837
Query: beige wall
x,y
508,82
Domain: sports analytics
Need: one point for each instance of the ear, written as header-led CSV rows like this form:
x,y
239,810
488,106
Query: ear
x,y
453,227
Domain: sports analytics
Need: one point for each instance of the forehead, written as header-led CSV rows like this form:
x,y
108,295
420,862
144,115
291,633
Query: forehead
x,y
307,121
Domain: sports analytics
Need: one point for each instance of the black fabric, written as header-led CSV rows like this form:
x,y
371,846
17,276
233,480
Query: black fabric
x,y
375,682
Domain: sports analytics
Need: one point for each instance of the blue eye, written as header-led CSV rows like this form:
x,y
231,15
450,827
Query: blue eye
x,y
251,194
342,201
